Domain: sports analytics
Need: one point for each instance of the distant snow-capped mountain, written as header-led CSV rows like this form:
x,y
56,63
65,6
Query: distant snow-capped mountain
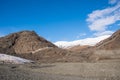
x,y
87,41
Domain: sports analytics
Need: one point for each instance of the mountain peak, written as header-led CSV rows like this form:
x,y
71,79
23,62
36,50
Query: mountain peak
x,y
23,42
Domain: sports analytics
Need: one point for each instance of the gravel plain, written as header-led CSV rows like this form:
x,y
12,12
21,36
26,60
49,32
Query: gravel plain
x,y
61,71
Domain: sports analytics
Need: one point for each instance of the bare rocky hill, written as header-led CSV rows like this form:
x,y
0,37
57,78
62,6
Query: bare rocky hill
x,y
113,42
23,42
28,45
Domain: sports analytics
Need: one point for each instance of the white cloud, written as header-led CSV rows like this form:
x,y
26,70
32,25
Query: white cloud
x,y
100,20
102,24
118,24
112,1
103,33
81,34
87,41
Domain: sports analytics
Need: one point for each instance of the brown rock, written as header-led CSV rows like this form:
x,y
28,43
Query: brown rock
x,y
111,43
23,42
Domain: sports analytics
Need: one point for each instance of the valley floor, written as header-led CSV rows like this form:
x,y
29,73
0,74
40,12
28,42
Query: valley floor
x,y
61,71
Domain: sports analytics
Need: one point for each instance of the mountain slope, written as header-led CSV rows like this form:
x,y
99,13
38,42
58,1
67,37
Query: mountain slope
x,y
23,42
113,42
108,49
79,48
28,45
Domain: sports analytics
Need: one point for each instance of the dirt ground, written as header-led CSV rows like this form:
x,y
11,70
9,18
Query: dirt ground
x,y
61,71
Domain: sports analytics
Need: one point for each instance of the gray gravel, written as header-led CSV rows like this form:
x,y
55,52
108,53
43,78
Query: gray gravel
x,y
21,72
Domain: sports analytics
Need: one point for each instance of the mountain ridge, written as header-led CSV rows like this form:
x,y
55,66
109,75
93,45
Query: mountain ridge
x,y
112,42
29,45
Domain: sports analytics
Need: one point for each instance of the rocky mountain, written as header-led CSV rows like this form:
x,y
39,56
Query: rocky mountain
x,y
28,45
108,49
23,42
111,43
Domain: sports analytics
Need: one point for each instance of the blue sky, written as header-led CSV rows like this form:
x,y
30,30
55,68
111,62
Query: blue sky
x,y
58,20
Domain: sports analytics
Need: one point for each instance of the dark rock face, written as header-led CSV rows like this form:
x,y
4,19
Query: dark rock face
x,y
23,42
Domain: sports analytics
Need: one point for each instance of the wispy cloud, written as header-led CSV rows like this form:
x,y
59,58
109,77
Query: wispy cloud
x,y
100,20
118,24
103,33
80,35
113,1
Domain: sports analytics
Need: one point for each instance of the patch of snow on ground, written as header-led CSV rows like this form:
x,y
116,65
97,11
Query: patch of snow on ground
x,y
12,59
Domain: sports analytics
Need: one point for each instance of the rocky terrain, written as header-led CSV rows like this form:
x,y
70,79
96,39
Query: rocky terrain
x,y
79,48
61,71
99,62
23,42
28,45
108,49
111,43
